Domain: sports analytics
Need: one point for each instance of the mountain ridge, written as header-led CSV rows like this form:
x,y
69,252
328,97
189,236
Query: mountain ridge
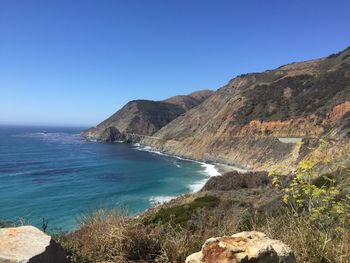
x,y
242,123
259,119
144,117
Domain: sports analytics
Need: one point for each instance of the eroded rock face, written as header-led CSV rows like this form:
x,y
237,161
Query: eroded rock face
x,y
243,247
241,123
29,244
111,134
145,117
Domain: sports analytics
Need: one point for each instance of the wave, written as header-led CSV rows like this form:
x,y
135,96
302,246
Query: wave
x,y
157,200
139,147
197,186
209,169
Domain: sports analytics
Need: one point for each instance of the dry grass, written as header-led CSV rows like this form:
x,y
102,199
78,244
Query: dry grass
x,y
98,238
108,236
310,242
111,236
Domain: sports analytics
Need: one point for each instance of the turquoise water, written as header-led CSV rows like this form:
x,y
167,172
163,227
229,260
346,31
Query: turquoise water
x,y
59,176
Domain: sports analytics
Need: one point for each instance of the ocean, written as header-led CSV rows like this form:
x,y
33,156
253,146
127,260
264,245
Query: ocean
x,y
51,173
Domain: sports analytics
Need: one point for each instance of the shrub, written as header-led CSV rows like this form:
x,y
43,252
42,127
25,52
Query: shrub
x,y
311,244
180,215
318,199
98,238
317,221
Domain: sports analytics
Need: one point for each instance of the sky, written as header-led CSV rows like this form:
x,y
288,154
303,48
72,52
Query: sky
x,y
75,62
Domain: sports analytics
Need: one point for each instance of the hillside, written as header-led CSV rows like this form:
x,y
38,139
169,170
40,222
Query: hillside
x,y
144,117
258,119
296,117
190,101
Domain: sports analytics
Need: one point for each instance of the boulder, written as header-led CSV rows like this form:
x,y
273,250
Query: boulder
x,y
243,247
29,244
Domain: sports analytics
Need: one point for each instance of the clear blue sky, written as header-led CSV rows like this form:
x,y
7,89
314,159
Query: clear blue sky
x,y
77,61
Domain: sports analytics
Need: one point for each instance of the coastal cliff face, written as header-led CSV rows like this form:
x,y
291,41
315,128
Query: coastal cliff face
x,y
258,119
144,117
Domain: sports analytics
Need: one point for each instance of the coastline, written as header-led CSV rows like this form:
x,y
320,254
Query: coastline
x,y
225,168
210,169
220,168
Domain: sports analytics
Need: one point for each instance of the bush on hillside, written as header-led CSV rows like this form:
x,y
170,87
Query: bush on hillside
x,y
181,214
314,222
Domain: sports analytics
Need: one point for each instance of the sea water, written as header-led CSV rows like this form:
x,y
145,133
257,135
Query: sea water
x,y
51,173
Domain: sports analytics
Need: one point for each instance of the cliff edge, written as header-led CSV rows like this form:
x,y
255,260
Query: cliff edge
x,y
144,117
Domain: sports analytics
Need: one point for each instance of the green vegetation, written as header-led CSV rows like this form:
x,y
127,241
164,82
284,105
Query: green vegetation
x,y
108,236
181,214
319,199
310,212
317,213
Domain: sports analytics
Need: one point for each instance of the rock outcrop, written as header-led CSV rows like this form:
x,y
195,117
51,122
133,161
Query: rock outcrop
x,y
29,244
243,247
234,180
144,117
111,134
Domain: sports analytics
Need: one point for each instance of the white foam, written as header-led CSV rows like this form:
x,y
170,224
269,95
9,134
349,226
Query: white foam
x,y
157,200
197,186
147,149
210,169
151,150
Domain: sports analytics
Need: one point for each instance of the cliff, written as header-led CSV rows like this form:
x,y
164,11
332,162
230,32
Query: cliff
x,y
144,117
258,119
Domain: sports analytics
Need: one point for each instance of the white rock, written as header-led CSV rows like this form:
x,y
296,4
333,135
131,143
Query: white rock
x,y
28,244
243,247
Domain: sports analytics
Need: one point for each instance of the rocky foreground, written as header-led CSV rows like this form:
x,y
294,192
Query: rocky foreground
x,y
28,244
176,231
243,247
